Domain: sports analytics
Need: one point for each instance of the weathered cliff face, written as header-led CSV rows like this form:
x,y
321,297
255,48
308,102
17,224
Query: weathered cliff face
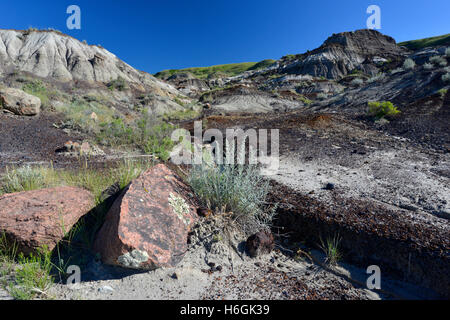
x,y
344,52
50,54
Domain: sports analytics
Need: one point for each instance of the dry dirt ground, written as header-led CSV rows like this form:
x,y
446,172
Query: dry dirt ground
x,y
389,202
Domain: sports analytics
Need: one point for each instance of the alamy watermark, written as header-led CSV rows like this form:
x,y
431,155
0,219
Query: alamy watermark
x,y
374,280
194,150
74,20
374,20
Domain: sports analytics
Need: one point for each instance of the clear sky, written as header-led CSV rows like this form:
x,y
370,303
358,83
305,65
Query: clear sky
x,y
154,35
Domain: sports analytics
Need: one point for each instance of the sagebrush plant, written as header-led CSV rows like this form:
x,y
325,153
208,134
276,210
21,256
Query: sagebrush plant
x,y
119,84
409,64
236,188
331,249
446,77
381,109
376,78
438,60
428,66
26,178
357,82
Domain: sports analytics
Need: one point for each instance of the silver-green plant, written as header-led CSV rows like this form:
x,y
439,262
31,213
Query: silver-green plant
x,y
234,187
409,64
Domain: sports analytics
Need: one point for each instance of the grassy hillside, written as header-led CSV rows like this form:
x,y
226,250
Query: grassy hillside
x,y
223,70
427,42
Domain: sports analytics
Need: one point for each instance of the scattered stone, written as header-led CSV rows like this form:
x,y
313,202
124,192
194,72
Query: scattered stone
x,y
76,149
106,289
148,225
19,102
329,186
42,217
260,243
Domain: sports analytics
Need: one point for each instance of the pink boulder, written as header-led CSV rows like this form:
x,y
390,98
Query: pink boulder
x,y
148,225
32,219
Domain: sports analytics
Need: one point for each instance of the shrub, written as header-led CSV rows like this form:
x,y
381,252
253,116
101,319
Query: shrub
x,y
239,189
446,77
322,96
376,78
25,179
382,109
428,66
447,52
397,70
357,82
409,64
438,60
118,84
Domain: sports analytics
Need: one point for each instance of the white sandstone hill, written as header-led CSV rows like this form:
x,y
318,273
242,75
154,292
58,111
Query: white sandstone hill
x,y
51,54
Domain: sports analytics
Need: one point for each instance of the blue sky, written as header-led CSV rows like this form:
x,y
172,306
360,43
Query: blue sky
x,y
154,35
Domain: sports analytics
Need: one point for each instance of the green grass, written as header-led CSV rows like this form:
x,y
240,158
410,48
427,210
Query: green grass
x,y
38,89
226,70
24,277
427,42
331,249
38,177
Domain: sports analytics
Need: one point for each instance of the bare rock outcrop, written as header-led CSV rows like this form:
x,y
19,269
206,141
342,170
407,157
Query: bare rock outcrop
x,y
148,225
344,52
51,54
19,102
32,219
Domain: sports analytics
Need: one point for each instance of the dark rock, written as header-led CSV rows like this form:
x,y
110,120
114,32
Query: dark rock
x,y
329,186
260,243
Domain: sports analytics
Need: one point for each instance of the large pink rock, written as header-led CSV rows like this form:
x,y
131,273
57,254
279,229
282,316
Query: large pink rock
x,y
147,226
35,218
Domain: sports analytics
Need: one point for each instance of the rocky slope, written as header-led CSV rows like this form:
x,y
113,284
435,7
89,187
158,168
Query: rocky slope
x,y
64,61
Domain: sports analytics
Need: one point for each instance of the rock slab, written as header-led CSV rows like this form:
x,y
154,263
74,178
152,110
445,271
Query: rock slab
x,y
147,227
19,102
32,219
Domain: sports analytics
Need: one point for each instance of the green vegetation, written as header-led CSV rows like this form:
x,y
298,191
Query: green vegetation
x,y
438,60
235,188
31,178
382,109
118,84
38,89
443,92
331,249
185,114
408,64
151,136
227,70
86,116
427,42
446,77
24,277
